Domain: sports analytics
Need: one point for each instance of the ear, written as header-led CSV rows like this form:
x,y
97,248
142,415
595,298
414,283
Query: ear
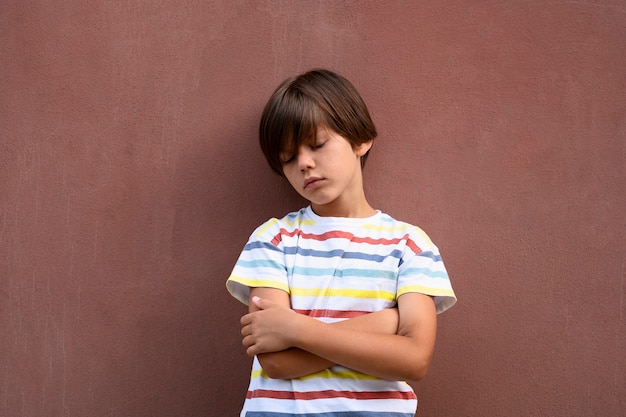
x,y
363,148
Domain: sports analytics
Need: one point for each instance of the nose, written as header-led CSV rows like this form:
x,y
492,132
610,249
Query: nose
x,y
305,159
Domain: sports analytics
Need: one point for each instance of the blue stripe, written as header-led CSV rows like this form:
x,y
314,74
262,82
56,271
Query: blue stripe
x,y
431,255
261,263
367,273
425,271
330,414
292,250
349,272
260,245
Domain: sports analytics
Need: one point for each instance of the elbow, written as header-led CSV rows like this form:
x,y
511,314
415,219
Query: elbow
x,y
418,374
419,370
272,367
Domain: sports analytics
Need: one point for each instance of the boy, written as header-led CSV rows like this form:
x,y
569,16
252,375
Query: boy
x,y
342,298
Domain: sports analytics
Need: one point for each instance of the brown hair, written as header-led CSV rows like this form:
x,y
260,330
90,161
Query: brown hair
x,y
303,103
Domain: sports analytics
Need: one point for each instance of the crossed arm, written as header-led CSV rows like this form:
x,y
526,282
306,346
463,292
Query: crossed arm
x,y
391,344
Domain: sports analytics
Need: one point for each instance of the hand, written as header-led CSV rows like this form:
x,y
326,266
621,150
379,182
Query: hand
x,y
269,329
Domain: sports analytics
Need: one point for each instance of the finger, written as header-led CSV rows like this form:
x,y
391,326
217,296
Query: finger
x,y
247,341
257,301
245,320
262,303
252,348
251,351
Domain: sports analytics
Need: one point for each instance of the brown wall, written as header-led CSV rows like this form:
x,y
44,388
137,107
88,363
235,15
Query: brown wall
x,y
130,179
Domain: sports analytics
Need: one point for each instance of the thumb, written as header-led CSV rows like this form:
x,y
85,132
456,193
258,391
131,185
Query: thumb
x,y
261,303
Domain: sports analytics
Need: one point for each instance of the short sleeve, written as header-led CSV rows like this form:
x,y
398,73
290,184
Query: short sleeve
x,y
260,264
422,271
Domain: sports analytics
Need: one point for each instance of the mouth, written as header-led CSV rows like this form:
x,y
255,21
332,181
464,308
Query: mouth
x,y
311,182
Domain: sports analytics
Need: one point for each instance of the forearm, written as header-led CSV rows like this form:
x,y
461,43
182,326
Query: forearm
x,y
402,356
292,363
388,356
295,362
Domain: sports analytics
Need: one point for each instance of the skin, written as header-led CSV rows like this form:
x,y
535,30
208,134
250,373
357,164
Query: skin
x,y
329,175
395,344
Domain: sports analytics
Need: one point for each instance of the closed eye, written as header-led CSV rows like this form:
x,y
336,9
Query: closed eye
x,y
317,146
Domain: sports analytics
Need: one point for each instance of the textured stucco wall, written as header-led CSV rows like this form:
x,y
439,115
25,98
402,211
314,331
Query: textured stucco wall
x,y
130,179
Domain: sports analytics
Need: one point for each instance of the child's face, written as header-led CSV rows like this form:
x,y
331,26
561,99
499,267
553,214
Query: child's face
x,y
327,173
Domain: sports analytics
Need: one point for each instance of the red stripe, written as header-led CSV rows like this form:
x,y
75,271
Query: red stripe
x,y
335,314
337,234
413,246
320,395
277,239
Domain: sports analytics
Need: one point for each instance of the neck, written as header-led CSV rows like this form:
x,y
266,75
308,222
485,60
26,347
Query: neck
x,y
337,209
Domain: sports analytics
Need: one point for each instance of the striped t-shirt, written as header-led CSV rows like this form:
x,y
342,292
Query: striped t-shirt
x,y
334,269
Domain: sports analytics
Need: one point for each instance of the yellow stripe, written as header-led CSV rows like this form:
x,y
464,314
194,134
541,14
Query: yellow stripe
x,y
328,374
318,292
388,228
424,236
426,290
405,227
302,222
266,226
290,223
259,283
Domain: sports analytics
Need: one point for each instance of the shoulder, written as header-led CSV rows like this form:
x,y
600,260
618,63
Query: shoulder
x,y
406,231
277,226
